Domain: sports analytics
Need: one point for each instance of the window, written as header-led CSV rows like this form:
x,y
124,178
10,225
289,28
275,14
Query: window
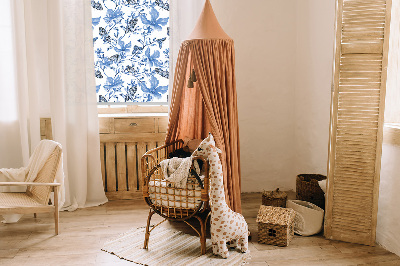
x,y
131,44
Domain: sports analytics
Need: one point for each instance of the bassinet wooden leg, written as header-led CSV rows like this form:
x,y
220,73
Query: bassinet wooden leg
x,y
147,235
203,236
203,232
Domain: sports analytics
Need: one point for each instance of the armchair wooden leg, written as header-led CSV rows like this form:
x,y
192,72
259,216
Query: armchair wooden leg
x,y
147,235
56,212
34,215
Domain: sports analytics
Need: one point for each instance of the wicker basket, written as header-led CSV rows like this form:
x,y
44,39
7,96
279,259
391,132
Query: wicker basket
x,y
275,225
308,189
274,198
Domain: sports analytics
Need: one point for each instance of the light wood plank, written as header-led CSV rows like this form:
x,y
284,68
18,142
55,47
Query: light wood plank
x,y
102,162
132,167
121,167
125,195
362,48
133,109
42,128
141,150
110,167
137,137
46,131
49,129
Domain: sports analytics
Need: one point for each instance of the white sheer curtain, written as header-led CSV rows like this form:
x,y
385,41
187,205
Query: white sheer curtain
x,y
10,144
54,77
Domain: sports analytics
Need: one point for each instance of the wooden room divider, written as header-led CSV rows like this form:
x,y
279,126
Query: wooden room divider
x,y
357,108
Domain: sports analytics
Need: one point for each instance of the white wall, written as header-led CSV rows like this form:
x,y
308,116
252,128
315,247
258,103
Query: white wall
x,y
314,60
264,32
388,227
284,52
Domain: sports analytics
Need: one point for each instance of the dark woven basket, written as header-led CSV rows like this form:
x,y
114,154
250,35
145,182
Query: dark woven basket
x,y
274,198
308,189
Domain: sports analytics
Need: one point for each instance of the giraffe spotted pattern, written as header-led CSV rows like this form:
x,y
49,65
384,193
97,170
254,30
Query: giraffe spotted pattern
x,y
226,225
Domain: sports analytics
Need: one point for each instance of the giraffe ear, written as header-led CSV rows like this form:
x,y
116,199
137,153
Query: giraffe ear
x,y
216,149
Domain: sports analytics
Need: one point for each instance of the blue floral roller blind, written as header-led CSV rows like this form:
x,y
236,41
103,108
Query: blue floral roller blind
x,y
131,44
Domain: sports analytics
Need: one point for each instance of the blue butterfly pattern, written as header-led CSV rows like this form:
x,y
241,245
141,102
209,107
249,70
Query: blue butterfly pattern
x,y
131,44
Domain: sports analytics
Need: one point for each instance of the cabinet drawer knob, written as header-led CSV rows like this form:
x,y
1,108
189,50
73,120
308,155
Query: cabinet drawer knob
x,y
133,124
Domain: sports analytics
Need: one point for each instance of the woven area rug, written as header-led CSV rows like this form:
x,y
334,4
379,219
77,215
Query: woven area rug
x,y
167,247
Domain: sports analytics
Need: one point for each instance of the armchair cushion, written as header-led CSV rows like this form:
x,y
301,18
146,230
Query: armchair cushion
x,y
16,199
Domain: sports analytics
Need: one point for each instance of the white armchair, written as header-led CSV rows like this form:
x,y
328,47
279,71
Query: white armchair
x,y
36,197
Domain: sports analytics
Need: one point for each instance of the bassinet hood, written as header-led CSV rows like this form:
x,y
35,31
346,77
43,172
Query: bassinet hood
x,y
207,26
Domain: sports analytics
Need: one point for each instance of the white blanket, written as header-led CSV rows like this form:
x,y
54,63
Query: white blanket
x,y
29,173
176,170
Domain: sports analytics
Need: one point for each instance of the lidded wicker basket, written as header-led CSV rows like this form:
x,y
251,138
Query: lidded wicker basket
x,y
274,198
275,225
308,189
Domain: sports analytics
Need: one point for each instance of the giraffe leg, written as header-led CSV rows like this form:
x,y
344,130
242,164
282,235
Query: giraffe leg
x,y
233,243
215,248
222,249
243,243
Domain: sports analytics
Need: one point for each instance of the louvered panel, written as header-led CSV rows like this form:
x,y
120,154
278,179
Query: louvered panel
x,y
347,111
355,204
356,119
350,160
346,140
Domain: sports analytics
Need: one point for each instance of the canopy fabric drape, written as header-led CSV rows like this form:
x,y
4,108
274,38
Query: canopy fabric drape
x,y
211,106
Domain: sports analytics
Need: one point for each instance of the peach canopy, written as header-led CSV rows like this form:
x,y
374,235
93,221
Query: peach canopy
x,y
211,105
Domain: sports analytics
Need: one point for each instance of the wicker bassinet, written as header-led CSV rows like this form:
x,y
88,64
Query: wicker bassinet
x,y
175,203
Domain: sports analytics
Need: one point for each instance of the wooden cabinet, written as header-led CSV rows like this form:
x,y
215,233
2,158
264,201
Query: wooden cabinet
x,y
123,141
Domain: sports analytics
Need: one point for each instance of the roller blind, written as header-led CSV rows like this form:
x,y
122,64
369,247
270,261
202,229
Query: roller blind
x,y
358,97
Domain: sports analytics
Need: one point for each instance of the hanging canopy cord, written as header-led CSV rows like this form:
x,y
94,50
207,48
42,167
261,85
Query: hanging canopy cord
x,y
192,79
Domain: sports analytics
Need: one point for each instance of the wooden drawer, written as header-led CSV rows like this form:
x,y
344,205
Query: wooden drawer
x,y
162,124
134,125
106,125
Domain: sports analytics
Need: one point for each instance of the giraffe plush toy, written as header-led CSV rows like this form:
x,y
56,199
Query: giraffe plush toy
x,y
226,225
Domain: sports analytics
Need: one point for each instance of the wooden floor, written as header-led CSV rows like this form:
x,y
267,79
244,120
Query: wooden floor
x,y
82,233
